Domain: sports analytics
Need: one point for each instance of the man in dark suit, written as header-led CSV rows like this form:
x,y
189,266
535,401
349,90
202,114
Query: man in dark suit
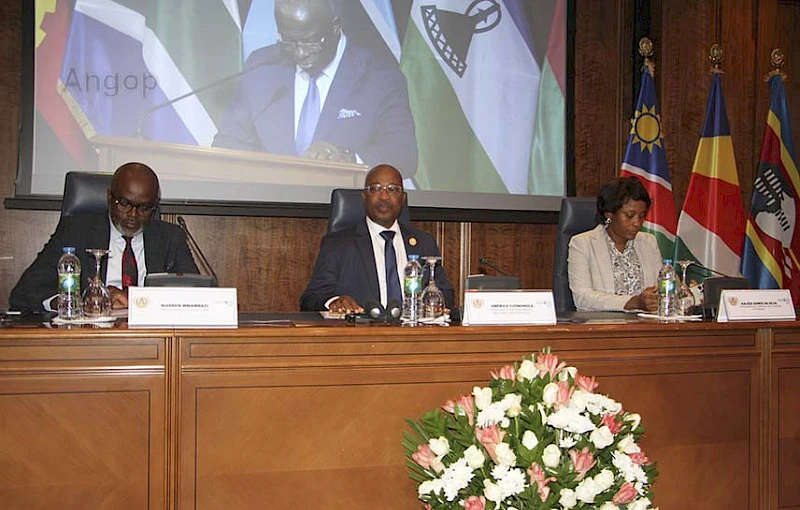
x,y
351,267
320,95
138,244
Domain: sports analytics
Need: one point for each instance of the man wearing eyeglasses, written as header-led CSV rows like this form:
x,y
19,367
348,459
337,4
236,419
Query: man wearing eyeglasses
x,y
319,95
138,243
353,265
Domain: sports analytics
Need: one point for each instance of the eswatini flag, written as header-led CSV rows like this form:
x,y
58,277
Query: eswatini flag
x,y
772,243
646,158
711,225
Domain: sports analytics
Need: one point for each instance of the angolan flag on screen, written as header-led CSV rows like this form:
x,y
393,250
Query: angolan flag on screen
x,y
472,82
646,158
772,242
124,57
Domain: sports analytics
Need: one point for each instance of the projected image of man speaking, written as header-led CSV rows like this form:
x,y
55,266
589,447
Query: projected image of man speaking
x,y
318,94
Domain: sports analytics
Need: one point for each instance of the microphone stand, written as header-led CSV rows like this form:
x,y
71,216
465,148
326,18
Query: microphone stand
x,y
196,248
486,262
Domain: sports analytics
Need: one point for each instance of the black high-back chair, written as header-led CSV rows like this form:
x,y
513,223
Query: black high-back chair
x,y
85,193
347,210
577,215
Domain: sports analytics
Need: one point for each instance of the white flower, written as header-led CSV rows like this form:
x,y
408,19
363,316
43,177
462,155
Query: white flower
x,y
551,456
550,394
475,457
440,446
601,437
608,505
628,445
567,441
634,418
542,411
483,397
529,440
604,480
505,455
567,499
565,373
587,490
492,414
578,400
430,486
571,421
630,471
513,404
511,482
456,477
492,491
639,504
600,404
527,371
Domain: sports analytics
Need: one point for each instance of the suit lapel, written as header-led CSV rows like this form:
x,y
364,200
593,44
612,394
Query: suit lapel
x,y
348,75
600,248
364,244
153,248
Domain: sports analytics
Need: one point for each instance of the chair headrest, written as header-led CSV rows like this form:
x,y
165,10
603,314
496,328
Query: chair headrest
x,y
347,210
85,193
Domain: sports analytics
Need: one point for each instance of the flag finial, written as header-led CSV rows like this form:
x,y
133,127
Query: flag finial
x,y
777,59
716,56
646,51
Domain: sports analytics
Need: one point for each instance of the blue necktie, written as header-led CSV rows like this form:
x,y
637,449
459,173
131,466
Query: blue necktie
x,y
309,115
392,280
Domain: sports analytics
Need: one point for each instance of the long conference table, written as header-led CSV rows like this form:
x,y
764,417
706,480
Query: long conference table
x,y
298,414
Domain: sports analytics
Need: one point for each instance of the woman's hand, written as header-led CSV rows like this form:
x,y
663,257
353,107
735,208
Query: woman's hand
x,y
647,300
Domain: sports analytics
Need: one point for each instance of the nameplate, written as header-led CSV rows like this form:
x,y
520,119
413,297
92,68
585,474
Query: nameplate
x,y
755,305
185,307
485,307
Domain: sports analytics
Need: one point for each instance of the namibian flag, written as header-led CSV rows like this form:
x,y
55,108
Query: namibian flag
x,y
646,158
711,225
772,244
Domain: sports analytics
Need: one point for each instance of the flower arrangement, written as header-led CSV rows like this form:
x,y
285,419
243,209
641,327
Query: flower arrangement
x,y
537,437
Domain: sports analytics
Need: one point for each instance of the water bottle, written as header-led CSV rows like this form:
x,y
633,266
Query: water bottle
x,y
412,290
69,285
667,290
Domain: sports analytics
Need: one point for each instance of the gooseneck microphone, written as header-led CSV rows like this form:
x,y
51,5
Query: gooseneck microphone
x,y
196,248
486,262
269,60
714,271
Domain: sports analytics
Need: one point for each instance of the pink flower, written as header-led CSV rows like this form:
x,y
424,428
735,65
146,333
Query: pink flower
x,y
548,364
537,476
425,457
465,402
610,421
625,494
427,506
490,437
564,392
583,461
475,503
586,383
508,373
639,458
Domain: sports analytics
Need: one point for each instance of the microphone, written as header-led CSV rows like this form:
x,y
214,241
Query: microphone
x,y
268,60
704,268
488,263
196,248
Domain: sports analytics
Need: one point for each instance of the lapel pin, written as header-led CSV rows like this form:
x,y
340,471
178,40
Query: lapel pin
x,y
412,241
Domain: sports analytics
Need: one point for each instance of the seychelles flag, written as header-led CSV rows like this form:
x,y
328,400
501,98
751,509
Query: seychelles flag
x,y
646,158
772,242
711,225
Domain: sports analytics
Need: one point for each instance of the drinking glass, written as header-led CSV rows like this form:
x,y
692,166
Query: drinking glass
x,y
432,297
96,299
685,296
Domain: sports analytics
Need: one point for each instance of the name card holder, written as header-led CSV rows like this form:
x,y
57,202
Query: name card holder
x,y
184,307
508,307
755,305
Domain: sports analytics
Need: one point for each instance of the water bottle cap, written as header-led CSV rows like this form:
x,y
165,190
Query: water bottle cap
x,y
69,249
668,261
413,256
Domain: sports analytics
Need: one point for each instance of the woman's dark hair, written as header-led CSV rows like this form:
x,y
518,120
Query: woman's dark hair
x,y
616,192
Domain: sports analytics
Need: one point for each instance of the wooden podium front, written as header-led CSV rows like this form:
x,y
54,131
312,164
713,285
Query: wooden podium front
x,y
309,417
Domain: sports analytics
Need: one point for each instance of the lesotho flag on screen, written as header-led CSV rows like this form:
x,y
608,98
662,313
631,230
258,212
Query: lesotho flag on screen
x,y
125,57
646,158
772,242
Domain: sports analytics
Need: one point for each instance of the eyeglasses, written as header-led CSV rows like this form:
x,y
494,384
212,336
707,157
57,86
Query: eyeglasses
x,y
377,189
308,46
124,206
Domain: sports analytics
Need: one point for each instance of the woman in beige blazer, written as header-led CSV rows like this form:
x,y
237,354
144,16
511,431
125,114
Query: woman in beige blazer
x,y
614,266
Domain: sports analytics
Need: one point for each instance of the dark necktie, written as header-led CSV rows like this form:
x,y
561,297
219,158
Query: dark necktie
x,y
309,115
130,273
393,291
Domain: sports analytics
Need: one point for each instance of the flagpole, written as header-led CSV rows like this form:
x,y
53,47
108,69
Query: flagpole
x,y
646,51
716,56
778,60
